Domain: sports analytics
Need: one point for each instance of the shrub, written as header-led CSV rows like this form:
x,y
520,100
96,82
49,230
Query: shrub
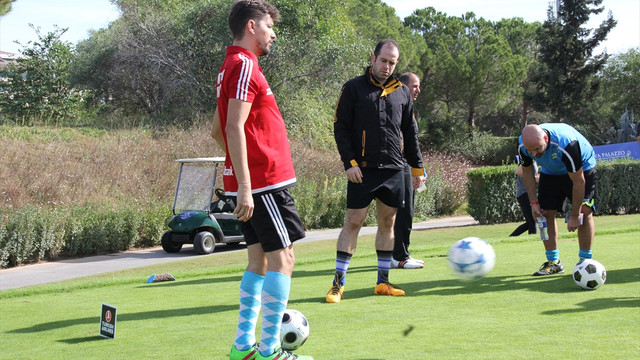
x,y
485,149
321,204
491,194
618,187
491,191
446,184
31,233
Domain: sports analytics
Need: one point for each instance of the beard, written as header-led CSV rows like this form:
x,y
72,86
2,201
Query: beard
x,y
265,48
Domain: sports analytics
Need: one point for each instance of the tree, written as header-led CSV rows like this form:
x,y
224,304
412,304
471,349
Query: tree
x,y
521,37
619,92
375,21
154,60
5,6
164,59
620,83
38,83
565,81
469,71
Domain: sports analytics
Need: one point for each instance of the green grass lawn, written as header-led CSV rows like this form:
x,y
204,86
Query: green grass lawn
x,y
507,315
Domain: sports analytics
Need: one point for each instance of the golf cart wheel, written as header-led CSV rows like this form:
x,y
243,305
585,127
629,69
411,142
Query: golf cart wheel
x,y
168,245
204,242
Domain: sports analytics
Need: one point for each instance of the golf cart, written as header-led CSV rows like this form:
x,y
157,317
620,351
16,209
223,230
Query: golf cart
x,y
197,218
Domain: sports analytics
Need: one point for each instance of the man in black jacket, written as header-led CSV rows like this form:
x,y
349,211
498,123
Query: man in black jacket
x,y
404,217
374,131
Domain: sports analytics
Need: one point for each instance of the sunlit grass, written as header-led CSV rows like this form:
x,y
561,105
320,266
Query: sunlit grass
x,y
507,315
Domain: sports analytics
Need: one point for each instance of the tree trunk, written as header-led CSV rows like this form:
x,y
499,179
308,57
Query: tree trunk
x,y
525,108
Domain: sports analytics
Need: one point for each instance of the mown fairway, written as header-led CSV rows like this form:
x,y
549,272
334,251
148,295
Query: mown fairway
x,y
507,315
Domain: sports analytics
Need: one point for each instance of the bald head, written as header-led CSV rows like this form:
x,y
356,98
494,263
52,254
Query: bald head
x,y
413,83
534,139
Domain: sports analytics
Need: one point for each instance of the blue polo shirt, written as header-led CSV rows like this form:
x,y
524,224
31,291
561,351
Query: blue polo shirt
x,y
568,151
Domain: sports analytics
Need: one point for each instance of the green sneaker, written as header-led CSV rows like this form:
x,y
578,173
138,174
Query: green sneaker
x,y
549,268
281,354
250,354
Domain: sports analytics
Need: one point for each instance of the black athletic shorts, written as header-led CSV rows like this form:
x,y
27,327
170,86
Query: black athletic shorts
x,y
553,189
275,222
387,185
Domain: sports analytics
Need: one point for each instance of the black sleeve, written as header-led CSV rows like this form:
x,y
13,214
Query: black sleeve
x,y
343,126
525,160
572,156
410,136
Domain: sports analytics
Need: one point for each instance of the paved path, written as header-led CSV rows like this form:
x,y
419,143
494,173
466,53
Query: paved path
x,y
53,271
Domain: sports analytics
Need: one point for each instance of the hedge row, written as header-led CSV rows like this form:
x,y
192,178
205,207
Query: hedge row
x,y
31,234
491,191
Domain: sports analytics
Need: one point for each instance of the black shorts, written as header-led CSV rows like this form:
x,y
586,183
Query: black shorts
x,y
387,185
275,222
553,189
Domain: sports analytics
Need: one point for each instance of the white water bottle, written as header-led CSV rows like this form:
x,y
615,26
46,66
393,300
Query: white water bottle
x,y
542,227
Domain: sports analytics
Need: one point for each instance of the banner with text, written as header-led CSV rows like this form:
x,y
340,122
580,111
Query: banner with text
x,y
628,150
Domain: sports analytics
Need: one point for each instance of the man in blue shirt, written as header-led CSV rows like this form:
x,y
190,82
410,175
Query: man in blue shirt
x,y
568,171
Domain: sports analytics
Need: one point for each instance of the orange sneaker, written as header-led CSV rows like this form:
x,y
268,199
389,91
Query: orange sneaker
x,y
335,294
386,288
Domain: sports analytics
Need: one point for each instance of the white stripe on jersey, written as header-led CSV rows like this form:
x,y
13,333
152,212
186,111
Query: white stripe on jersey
x,y
566,153
245,77
276,218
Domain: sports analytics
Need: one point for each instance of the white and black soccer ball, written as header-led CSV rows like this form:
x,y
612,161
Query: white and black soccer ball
x,y
471,258
294,330
589,274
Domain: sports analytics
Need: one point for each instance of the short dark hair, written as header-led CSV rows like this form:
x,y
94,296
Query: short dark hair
x,y
406,77
381,43
244,10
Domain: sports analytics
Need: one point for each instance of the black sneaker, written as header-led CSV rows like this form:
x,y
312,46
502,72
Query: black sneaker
x,y
550,268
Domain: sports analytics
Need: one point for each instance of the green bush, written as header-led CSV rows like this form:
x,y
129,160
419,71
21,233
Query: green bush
x,y
618,187
491,191
485,149
31,234
321,204
491,194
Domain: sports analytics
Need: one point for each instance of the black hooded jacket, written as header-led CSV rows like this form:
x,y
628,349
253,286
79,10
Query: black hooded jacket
x,y
373,123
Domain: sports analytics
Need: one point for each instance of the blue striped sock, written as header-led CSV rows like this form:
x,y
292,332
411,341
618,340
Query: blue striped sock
x,y
553,255
250,290
584,254
384,263
275,295
342,265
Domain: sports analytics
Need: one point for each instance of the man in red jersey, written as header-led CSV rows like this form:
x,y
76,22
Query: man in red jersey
x,y
258,171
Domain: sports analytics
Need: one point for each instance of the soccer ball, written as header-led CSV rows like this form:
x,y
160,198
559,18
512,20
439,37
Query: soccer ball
x,y
589,274
471,258
294,330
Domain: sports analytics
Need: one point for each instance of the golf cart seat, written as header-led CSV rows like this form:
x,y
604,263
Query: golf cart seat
x,y
223,204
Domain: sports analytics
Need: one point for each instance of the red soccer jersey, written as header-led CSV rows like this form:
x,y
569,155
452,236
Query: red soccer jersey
x,y
268,151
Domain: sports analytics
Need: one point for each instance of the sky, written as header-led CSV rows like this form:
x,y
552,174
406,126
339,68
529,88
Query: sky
x,y
624,36
80,16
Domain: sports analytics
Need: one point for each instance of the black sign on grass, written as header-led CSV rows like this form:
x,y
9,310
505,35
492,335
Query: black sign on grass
x,y
108,321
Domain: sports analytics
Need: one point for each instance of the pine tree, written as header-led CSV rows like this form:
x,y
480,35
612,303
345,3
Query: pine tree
x,y
564,82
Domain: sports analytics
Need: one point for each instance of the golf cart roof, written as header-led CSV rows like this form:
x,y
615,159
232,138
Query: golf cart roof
x,y
211,159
